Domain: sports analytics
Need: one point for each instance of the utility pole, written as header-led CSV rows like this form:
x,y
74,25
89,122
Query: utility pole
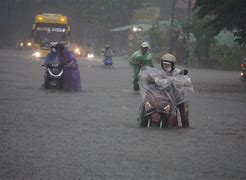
x,y
173,36
188,33
189,19
162,9
173,13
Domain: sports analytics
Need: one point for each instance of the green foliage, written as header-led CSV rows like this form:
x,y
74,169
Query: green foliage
x,y
227,58
228,14
221,57
199,30
204,36
159,40
210,18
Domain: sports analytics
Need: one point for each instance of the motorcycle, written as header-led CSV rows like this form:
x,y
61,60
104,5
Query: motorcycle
x,y
54,76
243,71
108,61
160,97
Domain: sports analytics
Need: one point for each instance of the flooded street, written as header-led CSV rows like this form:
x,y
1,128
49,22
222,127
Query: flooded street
x,y
94,134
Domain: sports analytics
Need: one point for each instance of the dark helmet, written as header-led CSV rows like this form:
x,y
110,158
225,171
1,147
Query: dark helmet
x,y
57,47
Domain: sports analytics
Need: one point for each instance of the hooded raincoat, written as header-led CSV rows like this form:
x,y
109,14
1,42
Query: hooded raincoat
x,y
138,60
71,79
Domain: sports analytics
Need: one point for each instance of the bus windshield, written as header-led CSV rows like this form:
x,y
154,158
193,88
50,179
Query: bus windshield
x,y
45,34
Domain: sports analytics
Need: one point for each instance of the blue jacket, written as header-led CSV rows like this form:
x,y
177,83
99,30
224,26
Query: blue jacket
x,y
53,56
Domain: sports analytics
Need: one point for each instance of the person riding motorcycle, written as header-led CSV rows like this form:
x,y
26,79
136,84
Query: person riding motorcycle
x,y
107,53
139,59
71,78
243,70
168,62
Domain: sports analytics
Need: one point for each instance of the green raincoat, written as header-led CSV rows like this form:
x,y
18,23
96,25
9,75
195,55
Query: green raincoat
x,y
138,60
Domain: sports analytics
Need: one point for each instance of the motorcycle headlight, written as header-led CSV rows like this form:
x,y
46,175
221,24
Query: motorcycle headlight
x,y
167,108
55,70
147,106
36,54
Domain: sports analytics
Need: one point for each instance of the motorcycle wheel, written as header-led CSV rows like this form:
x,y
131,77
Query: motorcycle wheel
x,y
143,121
60,85
46,84
135,86
164,123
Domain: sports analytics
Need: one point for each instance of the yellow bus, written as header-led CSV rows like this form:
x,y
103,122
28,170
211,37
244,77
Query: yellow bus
x,y
48,29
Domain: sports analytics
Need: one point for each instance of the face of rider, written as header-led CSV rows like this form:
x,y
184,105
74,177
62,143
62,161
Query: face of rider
x,y
167,67
144,50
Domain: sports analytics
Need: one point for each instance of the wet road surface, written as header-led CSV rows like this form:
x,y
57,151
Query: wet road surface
x,y
93,134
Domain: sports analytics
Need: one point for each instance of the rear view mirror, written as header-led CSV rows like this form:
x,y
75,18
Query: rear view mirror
x,y
184,72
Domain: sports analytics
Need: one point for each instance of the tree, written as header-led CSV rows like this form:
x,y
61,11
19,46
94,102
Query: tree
x,y
228,14
204,36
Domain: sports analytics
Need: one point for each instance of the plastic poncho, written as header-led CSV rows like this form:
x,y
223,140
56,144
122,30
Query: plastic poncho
x,y
71,78
161,88
138,60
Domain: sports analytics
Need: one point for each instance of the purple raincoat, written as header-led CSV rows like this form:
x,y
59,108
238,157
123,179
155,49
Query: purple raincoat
x,y
71,81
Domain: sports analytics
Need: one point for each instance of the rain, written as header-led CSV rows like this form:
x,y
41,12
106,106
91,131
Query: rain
x,y
122,89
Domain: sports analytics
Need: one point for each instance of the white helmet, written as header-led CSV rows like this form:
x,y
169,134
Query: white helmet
x,y
145,45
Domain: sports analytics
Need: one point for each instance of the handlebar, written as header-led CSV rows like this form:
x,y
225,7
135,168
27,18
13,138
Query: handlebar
x,y
60,64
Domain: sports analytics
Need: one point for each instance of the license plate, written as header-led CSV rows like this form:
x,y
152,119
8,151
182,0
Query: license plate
x,y
53,83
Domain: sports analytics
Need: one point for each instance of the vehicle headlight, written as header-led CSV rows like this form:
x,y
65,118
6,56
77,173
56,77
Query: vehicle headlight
x,y
90,55
167,108
21,44
134,29
137,29
55,70
77,50
29,44
147,106
36,54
